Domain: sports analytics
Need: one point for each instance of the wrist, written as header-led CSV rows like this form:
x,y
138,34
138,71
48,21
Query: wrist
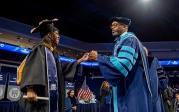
x,y
79,61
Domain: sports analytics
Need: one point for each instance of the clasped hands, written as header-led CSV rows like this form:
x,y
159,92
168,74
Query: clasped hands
x,y
92,55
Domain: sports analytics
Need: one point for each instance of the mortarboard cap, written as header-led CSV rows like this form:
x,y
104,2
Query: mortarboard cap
x,y
45,26
123,20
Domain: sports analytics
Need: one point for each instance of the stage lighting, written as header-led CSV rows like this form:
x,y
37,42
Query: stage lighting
x,y
21,50
146,0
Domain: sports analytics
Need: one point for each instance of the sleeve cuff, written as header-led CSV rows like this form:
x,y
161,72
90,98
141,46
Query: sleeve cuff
x,y
100,58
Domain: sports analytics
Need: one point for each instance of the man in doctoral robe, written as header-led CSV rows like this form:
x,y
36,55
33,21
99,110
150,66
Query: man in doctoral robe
x,y
126,70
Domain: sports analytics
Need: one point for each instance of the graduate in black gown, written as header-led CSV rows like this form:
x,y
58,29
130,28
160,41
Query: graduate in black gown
x,y
42,74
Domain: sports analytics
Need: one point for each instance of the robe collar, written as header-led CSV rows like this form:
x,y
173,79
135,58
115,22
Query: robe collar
x,y
121,36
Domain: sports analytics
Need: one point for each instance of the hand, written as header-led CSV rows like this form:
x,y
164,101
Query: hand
x,y
31,95
83,58
93,55
74,108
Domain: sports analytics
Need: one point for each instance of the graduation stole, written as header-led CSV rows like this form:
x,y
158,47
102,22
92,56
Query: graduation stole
x,y
52,80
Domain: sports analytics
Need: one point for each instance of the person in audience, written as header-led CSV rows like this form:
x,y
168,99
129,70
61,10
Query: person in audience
x,y
176,98
73,99
105,97
68,105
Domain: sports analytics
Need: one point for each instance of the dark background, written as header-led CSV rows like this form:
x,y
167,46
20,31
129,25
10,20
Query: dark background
x,y
88,20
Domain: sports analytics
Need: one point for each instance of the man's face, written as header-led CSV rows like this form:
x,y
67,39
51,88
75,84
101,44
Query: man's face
x,y
117,28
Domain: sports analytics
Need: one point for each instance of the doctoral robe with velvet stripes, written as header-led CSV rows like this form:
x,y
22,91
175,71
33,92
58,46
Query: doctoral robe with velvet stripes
x,y
125,72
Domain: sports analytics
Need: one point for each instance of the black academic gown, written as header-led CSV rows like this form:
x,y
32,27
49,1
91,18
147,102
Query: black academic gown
x,y
35,75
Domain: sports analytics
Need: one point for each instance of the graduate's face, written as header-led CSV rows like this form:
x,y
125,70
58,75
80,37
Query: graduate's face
x,y
55,37
117,28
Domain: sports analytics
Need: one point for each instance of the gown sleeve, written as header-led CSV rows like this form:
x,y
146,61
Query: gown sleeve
x,y
113,67
32,71
69,70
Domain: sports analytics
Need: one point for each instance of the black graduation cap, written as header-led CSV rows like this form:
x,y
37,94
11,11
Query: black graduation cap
x,y
123,20
45,26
